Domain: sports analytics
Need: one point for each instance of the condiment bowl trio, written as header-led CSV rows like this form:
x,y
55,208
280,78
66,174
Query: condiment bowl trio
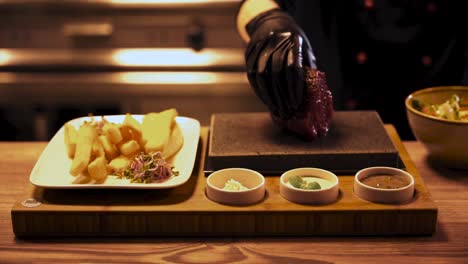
x,y
241,186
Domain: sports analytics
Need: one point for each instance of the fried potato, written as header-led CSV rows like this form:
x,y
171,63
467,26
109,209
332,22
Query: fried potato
x,y
112,131
82,179
156,129
99,147
174,144
119,164
129,148
70,134
97,150
84,144
126,133
138,138
109,149
97,169
131,122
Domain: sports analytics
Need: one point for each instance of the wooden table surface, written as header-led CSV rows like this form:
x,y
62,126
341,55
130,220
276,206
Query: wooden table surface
x,y
449,244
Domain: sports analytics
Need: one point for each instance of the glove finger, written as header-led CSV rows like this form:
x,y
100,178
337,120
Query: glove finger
x,y
264,73
259,73
253,51
279,83
308,57
295,77
252,54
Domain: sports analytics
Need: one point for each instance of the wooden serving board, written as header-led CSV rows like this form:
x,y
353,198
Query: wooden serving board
x,y
186,211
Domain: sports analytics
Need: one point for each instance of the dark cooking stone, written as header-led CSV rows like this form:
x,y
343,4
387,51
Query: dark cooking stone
x,y
356,140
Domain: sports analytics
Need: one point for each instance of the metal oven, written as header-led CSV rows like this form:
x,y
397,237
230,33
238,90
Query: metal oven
x,y
64,59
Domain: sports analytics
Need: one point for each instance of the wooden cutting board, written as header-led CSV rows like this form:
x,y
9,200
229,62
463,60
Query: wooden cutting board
x,y
356,140
186,211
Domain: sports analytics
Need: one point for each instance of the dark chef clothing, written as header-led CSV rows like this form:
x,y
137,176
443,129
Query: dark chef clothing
x,y
377,52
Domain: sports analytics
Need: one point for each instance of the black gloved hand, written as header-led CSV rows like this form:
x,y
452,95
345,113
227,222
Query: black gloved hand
x,y
276,57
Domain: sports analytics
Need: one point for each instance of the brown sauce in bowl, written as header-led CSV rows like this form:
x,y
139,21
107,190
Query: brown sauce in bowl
x,y
386,181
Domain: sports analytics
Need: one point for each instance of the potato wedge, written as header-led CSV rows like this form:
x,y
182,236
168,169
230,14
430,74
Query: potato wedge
x,y
70,135
131,122
97,169
174,144
109,149
84,144
129,148
126,132
82,179
97,150
137,136
156,129
118,165
112,131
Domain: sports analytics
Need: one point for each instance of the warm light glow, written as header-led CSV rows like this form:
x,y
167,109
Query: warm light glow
x,y
161,1
5,57
168,77
163,57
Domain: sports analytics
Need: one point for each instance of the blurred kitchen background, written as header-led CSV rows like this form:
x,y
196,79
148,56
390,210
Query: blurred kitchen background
x,y
61,59
65,59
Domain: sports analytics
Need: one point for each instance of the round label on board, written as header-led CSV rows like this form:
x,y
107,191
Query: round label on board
x,y
31,202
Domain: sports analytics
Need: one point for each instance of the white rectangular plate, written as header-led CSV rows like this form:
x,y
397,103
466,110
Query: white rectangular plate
x,y
52,168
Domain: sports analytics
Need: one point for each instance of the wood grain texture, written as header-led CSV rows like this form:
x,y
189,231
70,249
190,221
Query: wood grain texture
x,y
186,211
448,245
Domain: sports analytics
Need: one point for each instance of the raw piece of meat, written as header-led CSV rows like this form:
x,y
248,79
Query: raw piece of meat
x,y
315,118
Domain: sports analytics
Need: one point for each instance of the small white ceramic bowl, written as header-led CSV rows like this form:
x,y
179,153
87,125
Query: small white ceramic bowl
x,y
380,195
252,180
327,194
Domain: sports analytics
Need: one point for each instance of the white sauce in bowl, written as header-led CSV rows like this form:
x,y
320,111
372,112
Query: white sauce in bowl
x,y
233,185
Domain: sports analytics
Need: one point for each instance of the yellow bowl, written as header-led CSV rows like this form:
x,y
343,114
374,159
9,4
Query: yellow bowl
x,y
446,140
